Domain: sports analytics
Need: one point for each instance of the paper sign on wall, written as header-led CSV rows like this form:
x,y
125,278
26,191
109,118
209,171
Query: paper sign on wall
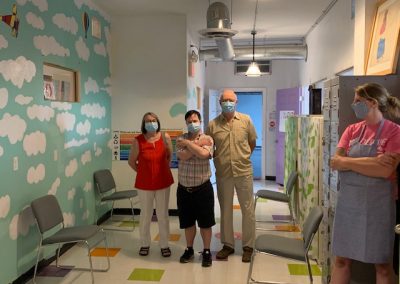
x,y
283,115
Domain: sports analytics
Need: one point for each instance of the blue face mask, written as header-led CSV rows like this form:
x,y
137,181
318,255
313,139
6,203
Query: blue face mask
x,y
194,127
151,126
228,106
360,109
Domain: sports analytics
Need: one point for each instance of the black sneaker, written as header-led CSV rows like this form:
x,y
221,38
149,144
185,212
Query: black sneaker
x,y
187,256
207,259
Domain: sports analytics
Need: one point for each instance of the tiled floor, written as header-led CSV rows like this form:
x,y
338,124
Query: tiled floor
x,y
128,267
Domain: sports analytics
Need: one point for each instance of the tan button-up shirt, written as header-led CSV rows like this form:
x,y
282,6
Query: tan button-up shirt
x,y
232,149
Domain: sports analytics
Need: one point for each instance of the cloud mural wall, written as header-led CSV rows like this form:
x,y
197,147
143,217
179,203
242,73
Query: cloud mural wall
x,y
46,147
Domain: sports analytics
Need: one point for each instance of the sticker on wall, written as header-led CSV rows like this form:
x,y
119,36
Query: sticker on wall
x,y
85,22
12,21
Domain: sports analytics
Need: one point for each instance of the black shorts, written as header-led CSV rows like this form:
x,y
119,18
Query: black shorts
x,y
196,206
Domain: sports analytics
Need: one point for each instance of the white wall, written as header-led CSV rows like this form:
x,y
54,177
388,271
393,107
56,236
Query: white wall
x,y
330,45
285,74
149,68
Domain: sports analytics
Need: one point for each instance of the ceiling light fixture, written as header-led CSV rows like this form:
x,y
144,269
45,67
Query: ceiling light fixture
x,y
254,70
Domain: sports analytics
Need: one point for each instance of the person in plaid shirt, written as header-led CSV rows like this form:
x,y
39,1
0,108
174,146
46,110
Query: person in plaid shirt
x,y
195,195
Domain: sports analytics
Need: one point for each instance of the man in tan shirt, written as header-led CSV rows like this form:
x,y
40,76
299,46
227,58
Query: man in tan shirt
x,y
235,139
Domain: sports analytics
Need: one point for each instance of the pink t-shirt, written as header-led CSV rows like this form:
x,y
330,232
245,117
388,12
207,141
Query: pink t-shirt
x,y
389,140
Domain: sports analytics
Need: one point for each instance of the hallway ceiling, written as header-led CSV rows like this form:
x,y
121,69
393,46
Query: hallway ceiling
x,y
277,20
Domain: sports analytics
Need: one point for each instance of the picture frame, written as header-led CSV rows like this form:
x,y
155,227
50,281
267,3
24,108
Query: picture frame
x,y
96,28
384,44
60,83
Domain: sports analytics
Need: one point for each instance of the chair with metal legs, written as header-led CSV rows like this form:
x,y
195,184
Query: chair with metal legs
x,y
48,215
105,184
279,197
285,247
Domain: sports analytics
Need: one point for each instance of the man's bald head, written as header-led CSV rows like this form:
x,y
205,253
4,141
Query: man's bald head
x,y
228,95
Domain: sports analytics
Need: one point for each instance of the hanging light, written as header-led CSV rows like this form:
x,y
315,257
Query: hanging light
x,y
254,70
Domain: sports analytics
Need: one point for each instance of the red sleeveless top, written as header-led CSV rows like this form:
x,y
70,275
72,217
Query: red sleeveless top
x,y
153,170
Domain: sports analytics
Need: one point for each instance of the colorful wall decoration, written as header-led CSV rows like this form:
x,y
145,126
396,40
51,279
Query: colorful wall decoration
x,y
46,146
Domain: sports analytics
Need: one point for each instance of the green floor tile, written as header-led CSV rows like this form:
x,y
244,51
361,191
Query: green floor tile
x,y
301,269
128,224
143,274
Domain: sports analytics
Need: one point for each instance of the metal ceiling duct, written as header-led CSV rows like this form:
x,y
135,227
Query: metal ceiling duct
x,y
219,28
266,52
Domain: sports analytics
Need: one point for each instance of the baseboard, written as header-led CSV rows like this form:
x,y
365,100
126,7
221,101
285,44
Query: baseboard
x,y
270,178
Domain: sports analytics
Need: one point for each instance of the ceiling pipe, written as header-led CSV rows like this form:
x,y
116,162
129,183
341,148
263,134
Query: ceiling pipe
x,y
266,52
225,48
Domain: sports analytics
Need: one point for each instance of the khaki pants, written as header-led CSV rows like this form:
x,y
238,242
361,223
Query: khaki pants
x,y
244,191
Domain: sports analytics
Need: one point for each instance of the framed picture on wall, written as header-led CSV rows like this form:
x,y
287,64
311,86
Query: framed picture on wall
x,y
59,83
384,44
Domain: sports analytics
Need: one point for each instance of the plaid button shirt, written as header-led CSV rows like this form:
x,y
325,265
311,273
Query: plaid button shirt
x,y
196,171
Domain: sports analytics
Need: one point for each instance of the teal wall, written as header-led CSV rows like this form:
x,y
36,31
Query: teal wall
x,y
58,145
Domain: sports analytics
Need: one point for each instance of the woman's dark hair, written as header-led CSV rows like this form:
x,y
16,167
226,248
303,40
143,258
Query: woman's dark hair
x,y
387,104
191,112
143,129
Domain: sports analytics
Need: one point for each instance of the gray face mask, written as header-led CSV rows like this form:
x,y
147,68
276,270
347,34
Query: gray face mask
x,y
360,109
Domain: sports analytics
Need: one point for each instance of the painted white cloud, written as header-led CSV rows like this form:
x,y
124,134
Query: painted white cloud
x,y
65,121
34,21
91,86
13,127
110,144
1,151
87,187
86,157
34,143
100,49
36,174
83,128
20,223
61,105
71,168
41,4
82,49
75,143
91,5
17,71
107,90
3,97
40,112
4,206
85,215
69,219
48,45
93,110
107,81
65,23
3,42
98,151
101,131
23,100
54,187
71,194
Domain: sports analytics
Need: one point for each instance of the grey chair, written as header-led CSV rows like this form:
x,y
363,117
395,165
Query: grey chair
x,y
296,249
106,187
279,197
48,215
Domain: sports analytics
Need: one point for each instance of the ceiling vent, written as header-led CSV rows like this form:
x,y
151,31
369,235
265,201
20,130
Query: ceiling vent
x,y
218,22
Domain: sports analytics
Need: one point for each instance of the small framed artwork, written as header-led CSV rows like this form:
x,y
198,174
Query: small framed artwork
x,y
60,83
96,28
384,44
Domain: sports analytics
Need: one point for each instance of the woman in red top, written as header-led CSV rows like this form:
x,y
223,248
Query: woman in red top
x,y
150,156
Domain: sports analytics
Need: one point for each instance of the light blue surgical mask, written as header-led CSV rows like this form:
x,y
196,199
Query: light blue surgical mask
x,y
194,127
360,109
228,106
151,126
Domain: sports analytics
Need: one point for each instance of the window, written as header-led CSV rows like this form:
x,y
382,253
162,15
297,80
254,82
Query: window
x,y
242,66
60,83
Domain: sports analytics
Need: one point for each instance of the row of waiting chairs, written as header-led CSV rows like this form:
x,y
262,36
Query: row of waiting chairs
x,y
48,215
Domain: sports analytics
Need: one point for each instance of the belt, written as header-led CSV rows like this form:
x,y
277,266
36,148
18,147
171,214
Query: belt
x,y
192,189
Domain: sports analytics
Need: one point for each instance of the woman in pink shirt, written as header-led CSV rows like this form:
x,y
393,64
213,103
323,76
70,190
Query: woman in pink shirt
x,y
366,157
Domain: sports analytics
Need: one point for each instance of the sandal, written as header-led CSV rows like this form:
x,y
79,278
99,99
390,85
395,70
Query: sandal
x,y
166,252
144,251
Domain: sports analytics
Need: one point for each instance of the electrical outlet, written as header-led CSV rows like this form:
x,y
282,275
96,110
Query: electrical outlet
x,y
15,163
